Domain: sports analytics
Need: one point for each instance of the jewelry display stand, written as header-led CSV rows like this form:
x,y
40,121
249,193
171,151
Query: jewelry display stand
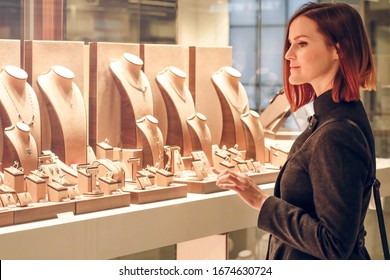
x,y
18,102
203,181
234,103
10,55
41,211
150,141
204,186
39,56
274,116
200,134
179,104
204,62
254,136
136,95
157,57
93,204
67,113
20,147
104,96
155,193
14,177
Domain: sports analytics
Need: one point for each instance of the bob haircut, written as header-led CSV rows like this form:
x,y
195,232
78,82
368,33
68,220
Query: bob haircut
x,y
342,27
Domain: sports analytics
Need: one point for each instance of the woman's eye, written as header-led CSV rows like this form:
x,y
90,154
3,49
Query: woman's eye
x,y
302,44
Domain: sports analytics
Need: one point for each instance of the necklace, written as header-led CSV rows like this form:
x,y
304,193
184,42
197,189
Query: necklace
x,y
141,88
159,147
181,94
16,108
28,150
71,94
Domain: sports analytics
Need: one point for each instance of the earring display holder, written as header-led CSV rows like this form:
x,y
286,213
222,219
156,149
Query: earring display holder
x,y
73,192
132,162
8,200
6,189
87,178
25,199
146,173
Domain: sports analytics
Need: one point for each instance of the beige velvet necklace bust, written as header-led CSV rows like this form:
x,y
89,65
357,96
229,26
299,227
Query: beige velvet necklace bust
x,y
136,95
20,147
234,102
151,141
67,113
200,134
254,136
179,105
18,102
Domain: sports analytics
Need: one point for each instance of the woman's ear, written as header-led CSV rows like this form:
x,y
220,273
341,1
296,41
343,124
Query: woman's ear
x,y
337,52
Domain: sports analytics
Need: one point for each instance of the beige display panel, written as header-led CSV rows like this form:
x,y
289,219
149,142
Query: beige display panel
x,y
104,96
156,58
204,61
39,57
9,55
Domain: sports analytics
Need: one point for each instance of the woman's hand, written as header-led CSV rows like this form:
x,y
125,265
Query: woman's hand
x,y
243,185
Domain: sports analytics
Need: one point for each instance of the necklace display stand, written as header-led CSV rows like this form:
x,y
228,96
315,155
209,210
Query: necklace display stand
x,y
18,102
20,147
179,105
67,113
151,142
200,134
275,115
234,103
136,95
254,136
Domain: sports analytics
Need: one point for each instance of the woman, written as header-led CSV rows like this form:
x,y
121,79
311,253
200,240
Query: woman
x,y
322,192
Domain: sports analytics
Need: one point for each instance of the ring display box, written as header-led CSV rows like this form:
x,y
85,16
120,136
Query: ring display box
x,y
108,185
14,178
36,186
57,192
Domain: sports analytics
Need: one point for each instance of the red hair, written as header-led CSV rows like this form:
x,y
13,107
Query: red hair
x,y
342,27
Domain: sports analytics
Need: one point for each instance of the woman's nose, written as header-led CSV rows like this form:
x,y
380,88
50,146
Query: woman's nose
x,y
290,54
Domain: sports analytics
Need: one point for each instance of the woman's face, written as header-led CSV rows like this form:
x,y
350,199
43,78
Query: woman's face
x,y
311,59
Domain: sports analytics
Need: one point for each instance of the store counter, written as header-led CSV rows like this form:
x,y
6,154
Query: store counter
x,y
123,231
